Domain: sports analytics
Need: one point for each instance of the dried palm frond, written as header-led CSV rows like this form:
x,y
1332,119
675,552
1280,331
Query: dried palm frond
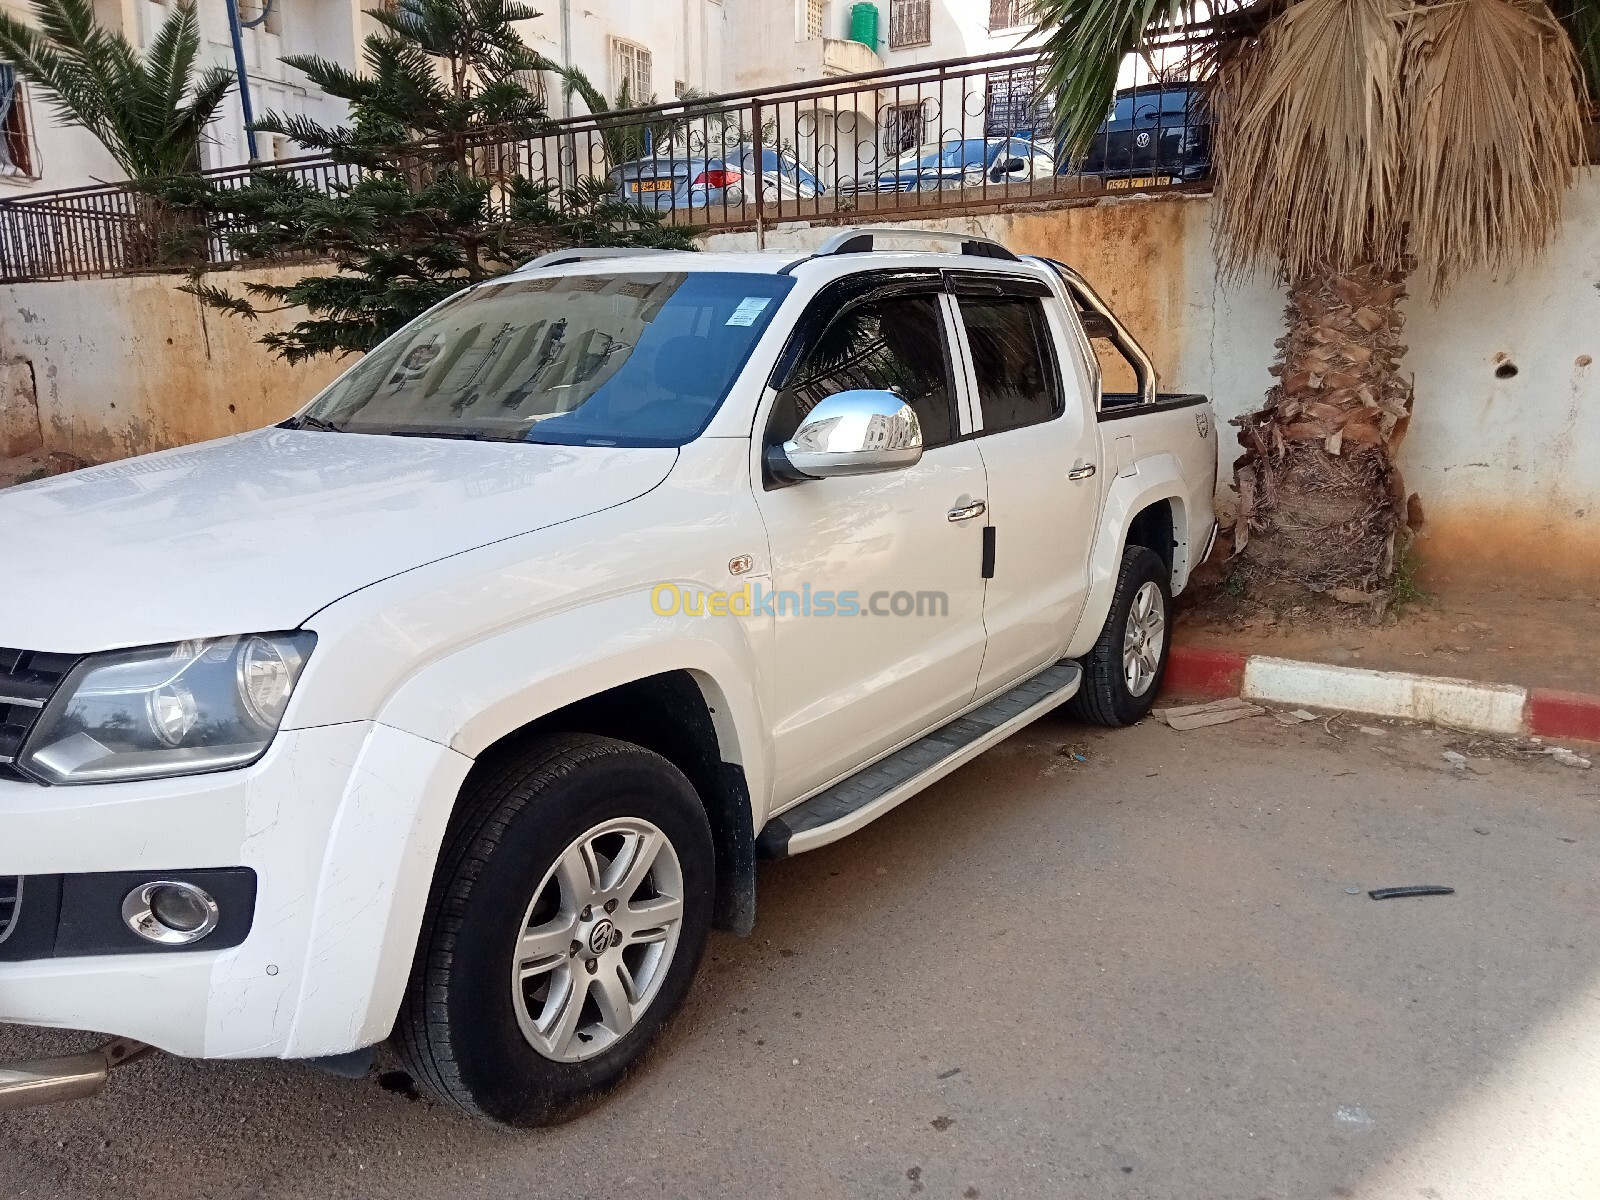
x,y
1493,128
1308,154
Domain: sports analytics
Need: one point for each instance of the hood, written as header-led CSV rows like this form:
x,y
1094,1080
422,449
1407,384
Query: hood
x,y
255,533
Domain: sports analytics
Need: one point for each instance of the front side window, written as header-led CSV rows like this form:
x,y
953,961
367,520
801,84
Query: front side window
x,y
574,360
894,344
1011,361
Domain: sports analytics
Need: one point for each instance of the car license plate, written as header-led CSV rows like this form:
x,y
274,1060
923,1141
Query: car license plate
x,y
1138,181
653,185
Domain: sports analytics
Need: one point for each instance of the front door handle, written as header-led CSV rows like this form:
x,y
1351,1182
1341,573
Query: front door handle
x,y
965,512
1081,472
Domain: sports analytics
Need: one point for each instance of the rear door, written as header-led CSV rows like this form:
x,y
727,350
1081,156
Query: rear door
x,y
1036,433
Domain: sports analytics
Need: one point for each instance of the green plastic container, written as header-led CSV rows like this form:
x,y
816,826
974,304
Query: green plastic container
x,y
864,25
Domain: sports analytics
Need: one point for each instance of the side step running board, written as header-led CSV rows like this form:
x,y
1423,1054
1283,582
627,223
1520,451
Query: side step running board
x,y
872,791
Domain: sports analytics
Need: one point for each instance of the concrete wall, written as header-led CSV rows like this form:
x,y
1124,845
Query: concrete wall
x,y
125,366
1508,469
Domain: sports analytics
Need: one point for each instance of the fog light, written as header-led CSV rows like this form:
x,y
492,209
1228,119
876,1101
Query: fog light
x,y
170,913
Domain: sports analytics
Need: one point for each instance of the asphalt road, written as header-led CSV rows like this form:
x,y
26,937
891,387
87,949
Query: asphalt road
x,y
1141,975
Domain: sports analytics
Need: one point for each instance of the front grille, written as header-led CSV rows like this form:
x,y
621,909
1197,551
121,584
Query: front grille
x,y
10,904
28,679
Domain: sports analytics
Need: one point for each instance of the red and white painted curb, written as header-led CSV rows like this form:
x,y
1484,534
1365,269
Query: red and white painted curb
x,y
1502,708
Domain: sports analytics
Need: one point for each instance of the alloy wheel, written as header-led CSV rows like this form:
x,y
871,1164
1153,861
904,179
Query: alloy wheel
x,y
1143,639
595,943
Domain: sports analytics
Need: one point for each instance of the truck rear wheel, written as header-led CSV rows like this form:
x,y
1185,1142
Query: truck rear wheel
x,y
1122,674
568,916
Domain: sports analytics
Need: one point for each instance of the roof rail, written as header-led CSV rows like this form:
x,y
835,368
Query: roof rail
x,y
573,254
864,238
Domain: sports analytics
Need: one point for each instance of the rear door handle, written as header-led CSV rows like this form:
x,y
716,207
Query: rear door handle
x,y
1082,472
965,512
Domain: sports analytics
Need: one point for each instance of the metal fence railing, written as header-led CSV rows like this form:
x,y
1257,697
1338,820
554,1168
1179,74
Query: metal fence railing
x,y
118,229
940,139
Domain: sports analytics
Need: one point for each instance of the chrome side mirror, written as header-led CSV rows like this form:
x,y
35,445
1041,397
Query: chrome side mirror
x,y
858,432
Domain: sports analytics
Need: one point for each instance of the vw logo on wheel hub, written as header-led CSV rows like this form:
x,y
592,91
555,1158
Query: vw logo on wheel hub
x,y
600,937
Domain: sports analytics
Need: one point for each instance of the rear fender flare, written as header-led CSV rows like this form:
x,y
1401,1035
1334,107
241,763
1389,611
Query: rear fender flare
x,y
1153,480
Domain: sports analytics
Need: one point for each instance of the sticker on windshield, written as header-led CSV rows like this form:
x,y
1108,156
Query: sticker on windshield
x,y
749,309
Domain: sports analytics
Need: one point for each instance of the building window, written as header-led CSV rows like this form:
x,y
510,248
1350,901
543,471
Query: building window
x,y
814,18
1008,14
16,140
1015,103
904,126
908,24
630,65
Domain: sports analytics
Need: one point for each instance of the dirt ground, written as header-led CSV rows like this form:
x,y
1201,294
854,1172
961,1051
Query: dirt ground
x,y
1152,973
1518,631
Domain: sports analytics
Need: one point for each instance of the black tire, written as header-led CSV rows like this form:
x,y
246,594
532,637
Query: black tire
x,y
1104,697
458,1031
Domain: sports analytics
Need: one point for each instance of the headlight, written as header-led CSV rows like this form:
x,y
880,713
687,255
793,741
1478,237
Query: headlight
x,y
167,710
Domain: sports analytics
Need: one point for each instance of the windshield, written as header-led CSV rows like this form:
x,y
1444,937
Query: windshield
x,y
972,151
574,360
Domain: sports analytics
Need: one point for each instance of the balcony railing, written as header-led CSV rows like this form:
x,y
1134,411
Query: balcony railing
x,y
939,139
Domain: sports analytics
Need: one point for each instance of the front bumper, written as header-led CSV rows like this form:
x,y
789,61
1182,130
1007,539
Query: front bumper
x,y
341,825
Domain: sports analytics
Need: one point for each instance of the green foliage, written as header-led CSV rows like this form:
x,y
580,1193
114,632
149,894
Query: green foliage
x,y
1406,590
701,126
148,112
1582,21
1085,42
443,82
624,139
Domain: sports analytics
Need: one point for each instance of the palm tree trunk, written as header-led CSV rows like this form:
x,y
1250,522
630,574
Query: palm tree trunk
x,y
1321,503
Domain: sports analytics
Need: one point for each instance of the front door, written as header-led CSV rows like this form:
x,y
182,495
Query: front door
x,y
878,591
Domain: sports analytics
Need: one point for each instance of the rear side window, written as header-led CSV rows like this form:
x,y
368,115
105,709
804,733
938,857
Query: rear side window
x,y
1012,361
894,344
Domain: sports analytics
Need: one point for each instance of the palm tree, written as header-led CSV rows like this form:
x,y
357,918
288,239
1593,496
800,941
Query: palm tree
x,y
148,112
701,125
1357,141
623,139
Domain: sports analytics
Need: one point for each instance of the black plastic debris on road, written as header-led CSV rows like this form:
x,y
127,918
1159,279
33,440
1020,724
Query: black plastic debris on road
x,y
1416,889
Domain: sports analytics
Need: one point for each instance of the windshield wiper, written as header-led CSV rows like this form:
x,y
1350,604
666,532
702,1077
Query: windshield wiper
x,y
454,435
306,421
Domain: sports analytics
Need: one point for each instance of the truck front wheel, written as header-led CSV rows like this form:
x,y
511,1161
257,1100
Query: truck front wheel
x,y
566,922
1122,674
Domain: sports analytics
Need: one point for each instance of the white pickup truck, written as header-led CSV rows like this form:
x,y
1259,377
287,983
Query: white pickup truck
x,y
458,708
